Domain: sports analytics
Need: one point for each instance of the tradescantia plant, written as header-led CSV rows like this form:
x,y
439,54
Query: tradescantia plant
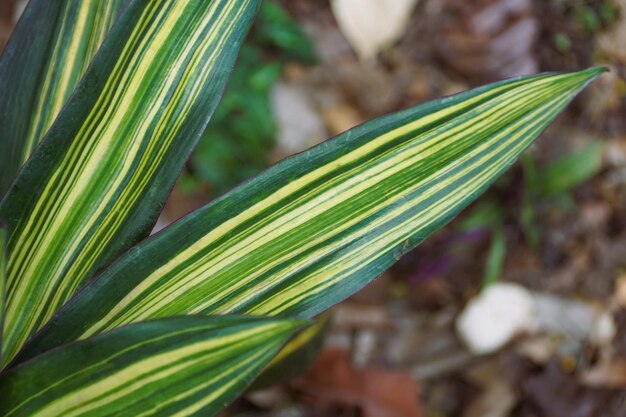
x,y
101,104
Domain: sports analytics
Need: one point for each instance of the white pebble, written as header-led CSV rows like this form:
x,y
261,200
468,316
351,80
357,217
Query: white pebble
x,y
493,318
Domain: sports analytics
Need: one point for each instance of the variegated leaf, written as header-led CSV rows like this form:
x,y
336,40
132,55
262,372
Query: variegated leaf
x,y
297,356
3,280
97,181
181,366
319,226
48,53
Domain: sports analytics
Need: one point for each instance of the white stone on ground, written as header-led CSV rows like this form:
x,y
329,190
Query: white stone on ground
x,y
495,316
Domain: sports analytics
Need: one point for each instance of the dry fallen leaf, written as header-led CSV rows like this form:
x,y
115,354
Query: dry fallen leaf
x,y
606,375
497,397
350,316
341,117
333,382
371,25
487,39
6,21
620,290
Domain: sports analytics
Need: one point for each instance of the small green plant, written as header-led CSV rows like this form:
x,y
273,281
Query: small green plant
x,y
101,105
551,183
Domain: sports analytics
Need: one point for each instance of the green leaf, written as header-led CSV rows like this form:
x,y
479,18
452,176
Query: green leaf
x,y
572,170
3,281
96,183
297,356
180,366
488,214
529,195
319,226
48,53
496,256
242,132
276,28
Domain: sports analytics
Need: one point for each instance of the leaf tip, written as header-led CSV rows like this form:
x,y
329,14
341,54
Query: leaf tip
x,y
579,80
588,75
593,72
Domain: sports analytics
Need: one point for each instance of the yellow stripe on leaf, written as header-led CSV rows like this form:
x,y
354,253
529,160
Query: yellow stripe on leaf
x,y
95,185
319,226
177,366
3,281
34,86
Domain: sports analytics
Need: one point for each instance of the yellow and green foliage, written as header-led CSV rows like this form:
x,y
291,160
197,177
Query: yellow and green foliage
x,y
96,316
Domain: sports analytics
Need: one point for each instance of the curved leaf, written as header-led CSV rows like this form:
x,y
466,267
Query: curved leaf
x,y
297,356
178,366
97,181
61,38
3,281
319,226
571,170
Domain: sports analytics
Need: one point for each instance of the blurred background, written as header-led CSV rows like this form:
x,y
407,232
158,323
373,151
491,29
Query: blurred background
x,y
516,308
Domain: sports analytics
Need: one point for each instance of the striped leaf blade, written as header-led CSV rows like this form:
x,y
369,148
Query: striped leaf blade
x,y
97,181
3,281
35,85
319,226
297,356
183,366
